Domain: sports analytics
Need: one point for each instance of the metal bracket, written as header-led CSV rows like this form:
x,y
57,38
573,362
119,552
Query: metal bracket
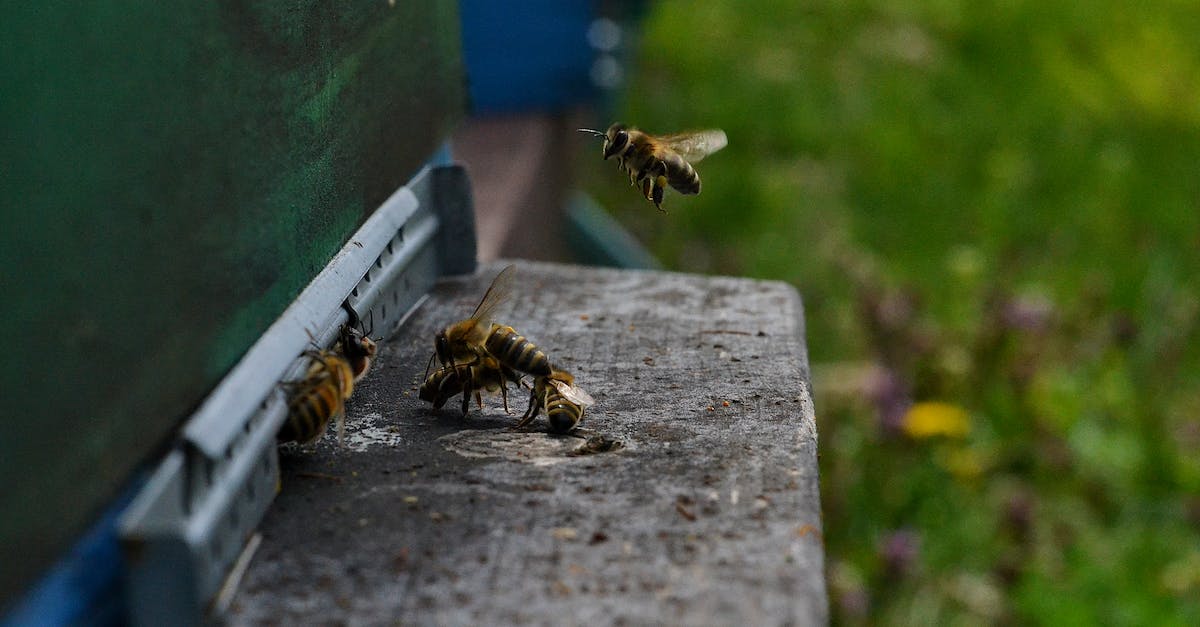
x,y
185,529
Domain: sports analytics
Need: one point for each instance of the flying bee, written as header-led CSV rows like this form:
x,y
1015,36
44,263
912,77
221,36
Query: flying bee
x,y
655,161
477,337
563,401
318,398
486,374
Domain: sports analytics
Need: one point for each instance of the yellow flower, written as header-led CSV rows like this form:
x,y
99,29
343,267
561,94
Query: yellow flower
x,y
933,418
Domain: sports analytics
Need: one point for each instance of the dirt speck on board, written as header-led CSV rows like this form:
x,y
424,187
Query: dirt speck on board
x,y
683,506
564,533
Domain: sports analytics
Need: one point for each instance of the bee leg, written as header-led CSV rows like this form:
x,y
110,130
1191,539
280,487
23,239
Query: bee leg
x,y
658,194
467,391
653,192
341,425
504,395
530,413
479,400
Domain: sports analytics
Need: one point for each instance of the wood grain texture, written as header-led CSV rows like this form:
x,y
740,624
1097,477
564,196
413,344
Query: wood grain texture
x,y
709,515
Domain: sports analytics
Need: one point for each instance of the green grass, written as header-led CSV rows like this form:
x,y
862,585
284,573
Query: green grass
x,y
991,205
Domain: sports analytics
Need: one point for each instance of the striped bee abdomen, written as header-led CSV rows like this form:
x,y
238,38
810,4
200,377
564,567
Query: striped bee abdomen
x,y
318,398
513,350
443,384
484,375
310,408
563,414
681,175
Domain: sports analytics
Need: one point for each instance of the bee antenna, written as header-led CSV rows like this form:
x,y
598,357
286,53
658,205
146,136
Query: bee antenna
x,y
312,339
592,131
428,364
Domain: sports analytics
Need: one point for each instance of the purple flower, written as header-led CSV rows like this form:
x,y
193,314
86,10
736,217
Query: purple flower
x,y
1027,313
899,552
889,393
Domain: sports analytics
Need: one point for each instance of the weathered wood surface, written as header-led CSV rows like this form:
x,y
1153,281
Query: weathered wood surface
x,y
709,515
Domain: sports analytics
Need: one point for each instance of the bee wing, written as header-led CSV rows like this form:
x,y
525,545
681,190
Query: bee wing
x,y
573,394
695,145
496,294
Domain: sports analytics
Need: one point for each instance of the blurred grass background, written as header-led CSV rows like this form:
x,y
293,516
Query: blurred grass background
x,y
991,212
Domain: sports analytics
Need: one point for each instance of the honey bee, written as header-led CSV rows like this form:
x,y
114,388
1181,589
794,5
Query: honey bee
x,y
469,341
486,374
656,161
563,401
357,347
318,398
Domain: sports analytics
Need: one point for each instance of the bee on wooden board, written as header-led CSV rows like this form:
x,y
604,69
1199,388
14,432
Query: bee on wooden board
x,y
468,341
563,401
318,398
356,346
485,374
656,161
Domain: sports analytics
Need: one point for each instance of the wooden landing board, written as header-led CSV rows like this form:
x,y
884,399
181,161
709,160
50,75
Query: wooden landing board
x,y
710,513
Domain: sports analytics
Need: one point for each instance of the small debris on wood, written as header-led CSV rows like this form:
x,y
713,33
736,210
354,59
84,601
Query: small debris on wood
x,y
683,505
400,561
564,533
597,444
804,531
727,331
598,538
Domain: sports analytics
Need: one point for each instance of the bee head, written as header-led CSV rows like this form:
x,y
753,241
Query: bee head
x,y
431,392
615,139
369,347
357,344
